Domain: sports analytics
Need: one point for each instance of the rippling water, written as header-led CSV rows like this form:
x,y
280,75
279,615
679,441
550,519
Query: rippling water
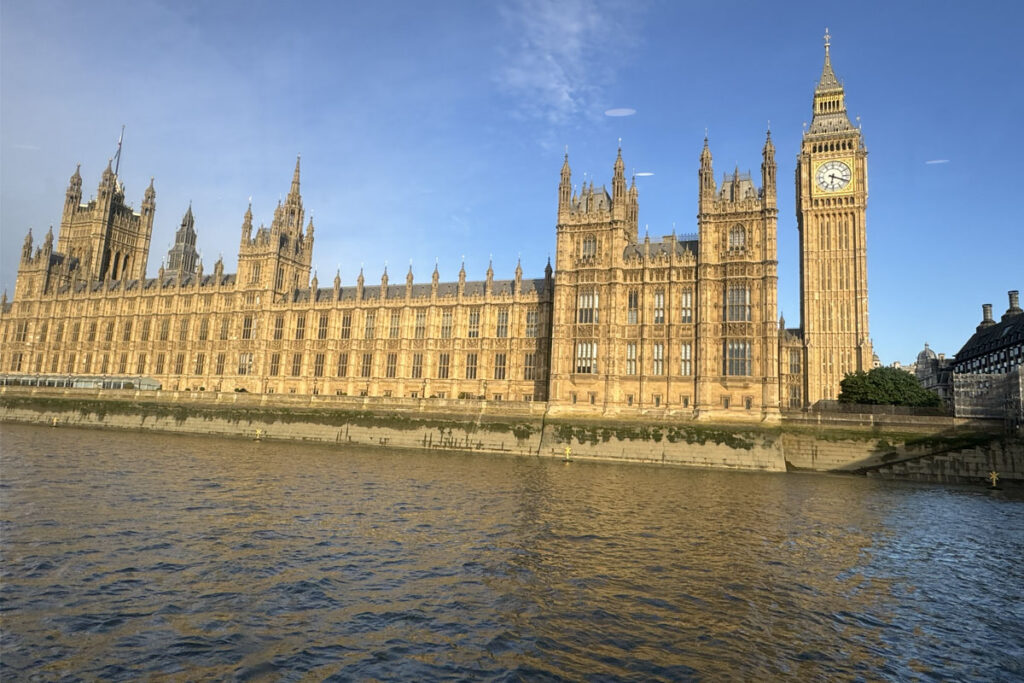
x,y
137,555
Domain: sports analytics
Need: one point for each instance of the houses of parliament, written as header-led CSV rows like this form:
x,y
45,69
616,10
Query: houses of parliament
x,y
686,326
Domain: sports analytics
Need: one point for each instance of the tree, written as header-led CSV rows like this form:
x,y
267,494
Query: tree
x,y
886,386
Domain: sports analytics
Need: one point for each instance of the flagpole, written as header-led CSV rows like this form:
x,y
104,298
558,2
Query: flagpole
x,y
117,165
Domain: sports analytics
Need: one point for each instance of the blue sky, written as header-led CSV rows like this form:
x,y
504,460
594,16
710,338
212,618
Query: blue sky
x,y
436,129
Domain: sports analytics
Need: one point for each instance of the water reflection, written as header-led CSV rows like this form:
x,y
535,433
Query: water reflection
x,y
134,554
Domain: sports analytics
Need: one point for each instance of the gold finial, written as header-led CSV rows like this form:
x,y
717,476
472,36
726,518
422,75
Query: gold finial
x,y
828,38
620,143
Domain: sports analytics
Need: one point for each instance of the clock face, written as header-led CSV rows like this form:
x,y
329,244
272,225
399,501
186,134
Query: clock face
x,y
833,176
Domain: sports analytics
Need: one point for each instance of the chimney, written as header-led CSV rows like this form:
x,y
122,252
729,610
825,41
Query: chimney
x,y
1014,308
986,317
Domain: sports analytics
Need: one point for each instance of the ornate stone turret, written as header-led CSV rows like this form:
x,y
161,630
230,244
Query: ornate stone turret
x,y
408,282
768,167
384,284
26,247
182,257
337,285
619,185
247,225
489,283
565,188
706,174
462,279
359,284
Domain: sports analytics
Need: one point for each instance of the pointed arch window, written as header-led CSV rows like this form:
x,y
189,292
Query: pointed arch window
x,y
737,237
589,246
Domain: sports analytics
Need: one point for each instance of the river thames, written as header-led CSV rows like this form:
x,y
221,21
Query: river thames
x,y
128,555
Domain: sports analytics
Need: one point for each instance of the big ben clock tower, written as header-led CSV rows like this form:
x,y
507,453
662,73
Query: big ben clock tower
x,y
831,203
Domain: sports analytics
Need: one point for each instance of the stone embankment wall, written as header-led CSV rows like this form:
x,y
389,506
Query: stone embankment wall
x,y
961,466
405,423
856,444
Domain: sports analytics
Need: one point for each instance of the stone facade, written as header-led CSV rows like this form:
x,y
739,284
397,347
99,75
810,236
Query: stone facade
x,y
684,326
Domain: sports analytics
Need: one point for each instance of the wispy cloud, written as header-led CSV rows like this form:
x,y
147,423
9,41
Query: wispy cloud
x,y
620,111
560,56
937,161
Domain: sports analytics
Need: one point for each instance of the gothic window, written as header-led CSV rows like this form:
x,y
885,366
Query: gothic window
x,y
417,365
219,370
279,280
631,358
794,362
108,332
43,328
122,364
421,323
658,359
300,327
529,361
200,363
737,358
275,364
183,330
296,364
531,323
225,325
127,332
77,328
738,303
367,364
442,366
587,307
247,327
92,331
396,324
686,306
371,324
586,357
245,364
391,368
633,306
279,327
165,330
501,330
446,324
346,325
589,246
470,366
659,307
140,364
204,329
321,331
499,366
342,364
685,358
737,237
474,323
794,396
